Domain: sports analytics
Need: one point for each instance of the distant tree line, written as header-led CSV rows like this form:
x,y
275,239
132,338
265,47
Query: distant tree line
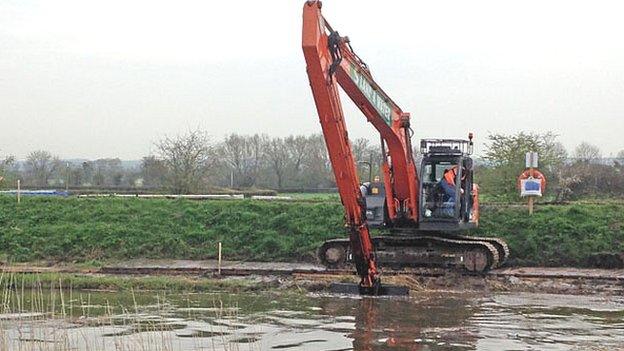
x,y
194,163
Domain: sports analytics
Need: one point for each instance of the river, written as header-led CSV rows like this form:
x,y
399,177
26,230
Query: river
x,y
87,320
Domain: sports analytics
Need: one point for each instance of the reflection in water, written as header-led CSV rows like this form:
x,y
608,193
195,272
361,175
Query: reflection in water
x,y
376,330
407,323
110,321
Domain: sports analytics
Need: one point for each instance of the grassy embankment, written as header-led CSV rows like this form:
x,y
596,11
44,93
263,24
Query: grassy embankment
x,y
85,230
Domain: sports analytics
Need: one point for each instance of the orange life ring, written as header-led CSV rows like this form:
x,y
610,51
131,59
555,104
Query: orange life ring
x,y
536,175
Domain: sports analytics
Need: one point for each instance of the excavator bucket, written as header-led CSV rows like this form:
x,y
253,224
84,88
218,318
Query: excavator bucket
x,y
380,290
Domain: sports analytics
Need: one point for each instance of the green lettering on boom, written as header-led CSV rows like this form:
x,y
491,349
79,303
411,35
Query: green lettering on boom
x,y
372,95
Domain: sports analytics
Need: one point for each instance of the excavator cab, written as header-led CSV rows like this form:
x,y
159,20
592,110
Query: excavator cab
x,y
447,193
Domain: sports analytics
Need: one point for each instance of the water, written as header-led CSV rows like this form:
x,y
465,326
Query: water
x,y
268,321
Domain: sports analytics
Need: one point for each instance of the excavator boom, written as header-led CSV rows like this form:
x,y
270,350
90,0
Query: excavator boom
x,y
320,68
331,62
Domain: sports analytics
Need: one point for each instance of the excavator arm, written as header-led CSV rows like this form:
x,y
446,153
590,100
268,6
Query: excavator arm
x,y
331,62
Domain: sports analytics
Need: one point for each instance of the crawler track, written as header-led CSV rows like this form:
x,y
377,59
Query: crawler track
x,y
472,254
500,245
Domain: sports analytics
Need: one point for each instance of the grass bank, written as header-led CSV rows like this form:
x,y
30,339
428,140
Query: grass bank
x,y
69,229
556,235
92,230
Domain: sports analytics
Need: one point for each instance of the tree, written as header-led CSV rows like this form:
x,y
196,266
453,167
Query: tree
x,y
316,167
188,159
76,176
153,171
360,148
298,148
368,158
278,159
587,152
108,172
619,161
87,173
40,166
5,163
568,181
244,157
511,149
505,155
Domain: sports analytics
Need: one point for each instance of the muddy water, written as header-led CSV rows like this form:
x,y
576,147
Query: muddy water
x,y
264,321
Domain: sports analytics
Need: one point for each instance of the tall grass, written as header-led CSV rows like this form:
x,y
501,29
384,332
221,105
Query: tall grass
x,y
36,314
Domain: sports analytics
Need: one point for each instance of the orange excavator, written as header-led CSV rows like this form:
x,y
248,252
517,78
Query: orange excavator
x,y
422,214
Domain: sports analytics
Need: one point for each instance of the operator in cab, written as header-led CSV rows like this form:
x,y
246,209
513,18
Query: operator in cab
x,y
447,190
447,184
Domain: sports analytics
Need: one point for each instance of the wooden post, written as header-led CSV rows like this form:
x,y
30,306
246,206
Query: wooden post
x,y
531,163
18,191
219,264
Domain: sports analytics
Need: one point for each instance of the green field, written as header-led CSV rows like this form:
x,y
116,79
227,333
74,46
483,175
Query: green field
x,y
96,230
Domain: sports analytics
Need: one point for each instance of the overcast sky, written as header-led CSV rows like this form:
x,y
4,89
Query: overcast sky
x,y
108,78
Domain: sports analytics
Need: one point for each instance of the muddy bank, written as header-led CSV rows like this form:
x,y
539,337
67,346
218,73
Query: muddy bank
x,y
481,285
314,277
297,279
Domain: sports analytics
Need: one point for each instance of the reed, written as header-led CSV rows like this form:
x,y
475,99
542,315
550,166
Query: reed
x,y
44,314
